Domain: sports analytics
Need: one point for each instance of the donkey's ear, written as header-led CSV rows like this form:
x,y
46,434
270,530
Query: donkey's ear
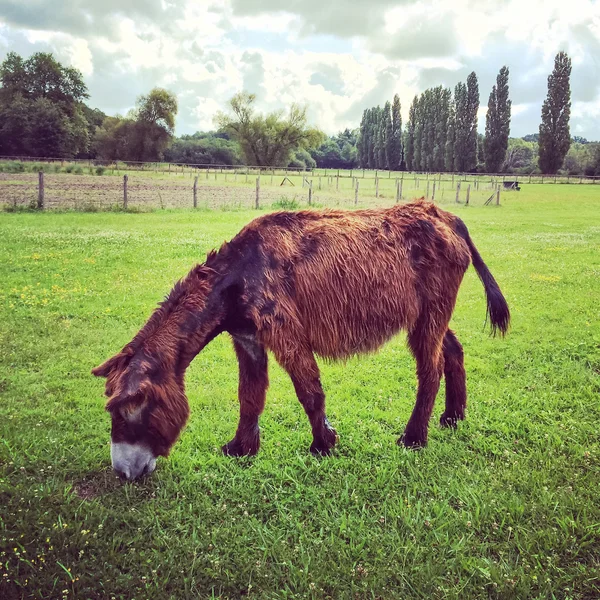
x,y
105,368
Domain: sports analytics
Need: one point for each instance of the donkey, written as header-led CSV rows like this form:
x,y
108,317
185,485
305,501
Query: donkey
x,y
332,283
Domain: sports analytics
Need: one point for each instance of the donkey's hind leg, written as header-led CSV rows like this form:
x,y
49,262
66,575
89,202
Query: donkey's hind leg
x,y
425,343
252,392
456,381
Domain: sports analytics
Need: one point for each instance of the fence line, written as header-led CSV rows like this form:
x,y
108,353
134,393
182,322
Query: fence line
x,y
174,168
47,190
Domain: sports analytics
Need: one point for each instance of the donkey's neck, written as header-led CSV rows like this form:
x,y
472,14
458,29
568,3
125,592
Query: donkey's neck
x,y
182,325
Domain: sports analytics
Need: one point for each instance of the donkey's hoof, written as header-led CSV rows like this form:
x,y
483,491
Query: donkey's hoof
x,y
235,448
320,449
324,446
450,420
412,442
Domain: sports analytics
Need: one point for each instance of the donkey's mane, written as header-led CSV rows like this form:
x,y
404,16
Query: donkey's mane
x,y
196,280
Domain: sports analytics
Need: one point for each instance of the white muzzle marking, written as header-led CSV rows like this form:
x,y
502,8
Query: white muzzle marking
x,y
132,460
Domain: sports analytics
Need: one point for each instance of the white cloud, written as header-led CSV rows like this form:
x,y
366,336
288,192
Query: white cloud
x,y
339,57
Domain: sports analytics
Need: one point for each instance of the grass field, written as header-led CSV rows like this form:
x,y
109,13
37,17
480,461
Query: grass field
x,y
506,507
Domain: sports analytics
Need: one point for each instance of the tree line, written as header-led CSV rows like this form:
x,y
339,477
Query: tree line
x,y
43,113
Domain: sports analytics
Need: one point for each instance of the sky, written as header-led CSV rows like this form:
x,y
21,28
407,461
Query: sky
x,y
337,57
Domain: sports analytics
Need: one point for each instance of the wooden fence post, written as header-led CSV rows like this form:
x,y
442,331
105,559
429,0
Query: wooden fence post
x,y
457,191
196,191
356,194
310,192
433,193
427,196
498,197
319,182
40,202
376,186
468,194
337,183
125,178
257,202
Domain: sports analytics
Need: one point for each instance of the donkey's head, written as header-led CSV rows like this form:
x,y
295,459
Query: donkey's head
x,y
148,408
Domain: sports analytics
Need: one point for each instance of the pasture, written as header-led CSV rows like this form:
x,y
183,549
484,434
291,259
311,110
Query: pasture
x,y
155,185
508,506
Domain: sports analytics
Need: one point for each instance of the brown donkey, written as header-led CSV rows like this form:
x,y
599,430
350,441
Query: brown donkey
x,y
332,283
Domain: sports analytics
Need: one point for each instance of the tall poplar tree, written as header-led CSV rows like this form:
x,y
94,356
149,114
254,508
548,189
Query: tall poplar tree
x,y
555,136
395,141
497,124
409,140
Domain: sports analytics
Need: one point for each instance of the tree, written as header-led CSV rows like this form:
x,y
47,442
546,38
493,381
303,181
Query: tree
x,y
409,141
362,144
41,107
466,104
497,123
267,140
384,116
159,108
337,152
520,156
389,136
450,139
155,122
395,139
41,76
442,125
460,126
419,128
208,148
555,138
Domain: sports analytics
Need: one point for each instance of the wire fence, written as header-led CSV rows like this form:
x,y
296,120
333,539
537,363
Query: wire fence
x,y
136,191
90,166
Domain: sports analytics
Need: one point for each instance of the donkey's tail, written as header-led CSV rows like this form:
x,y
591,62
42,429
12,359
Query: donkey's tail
x,y
497,307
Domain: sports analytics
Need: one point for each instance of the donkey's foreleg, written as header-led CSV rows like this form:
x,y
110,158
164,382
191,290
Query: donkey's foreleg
x,y
252,392
304,372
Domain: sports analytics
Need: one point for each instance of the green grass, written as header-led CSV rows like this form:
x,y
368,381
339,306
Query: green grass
x,y
506,507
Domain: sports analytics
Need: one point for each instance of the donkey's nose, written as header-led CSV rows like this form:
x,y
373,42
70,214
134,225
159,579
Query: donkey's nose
x,y
123,473
131,461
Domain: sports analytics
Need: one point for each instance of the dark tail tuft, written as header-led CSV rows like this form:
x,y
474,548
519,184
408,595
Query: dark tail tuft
x,y
497,307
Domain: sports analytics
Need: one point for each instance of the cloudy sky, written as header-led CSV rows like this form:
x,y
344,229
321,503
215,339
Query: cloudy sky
x,y
339,57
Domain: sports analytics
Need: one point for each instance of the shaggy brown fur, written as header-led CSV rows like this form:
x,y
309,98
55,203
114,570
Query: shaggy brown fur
x,y
331,283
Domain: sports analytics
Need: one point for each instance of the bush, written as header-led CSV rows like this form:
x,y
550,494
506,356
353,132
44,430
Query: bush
x,y
12,166
286,204
100,170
